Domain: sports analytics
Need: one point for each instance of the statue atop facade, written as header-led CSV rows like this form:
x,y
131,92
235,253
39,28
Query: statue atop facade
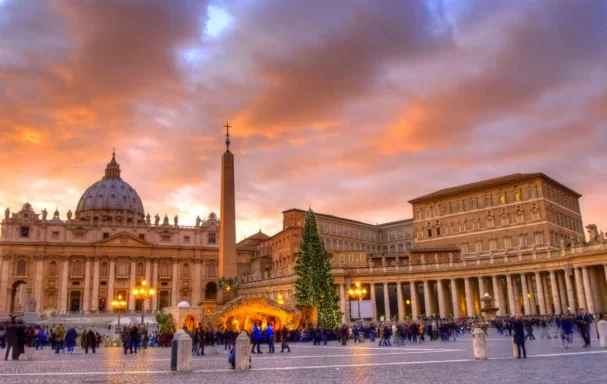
x,y
156,219
166,220
436,258
593,233
148,219
7,213
56,214
44,214
396,261
383,261
176,220
423,259
370,262
450,257
533,247
580,240
32,305
602,235
198,220
69,214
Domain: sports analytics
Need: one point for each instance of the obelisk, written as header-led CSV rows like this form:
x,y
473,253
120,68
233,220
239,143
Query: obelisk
x,y
228,263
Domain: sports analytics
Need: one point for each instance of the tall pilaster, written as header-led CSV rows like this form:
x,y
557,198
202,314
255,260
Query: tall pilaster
x,y
148,276
387,302
427,298
227,225
526,302
414,301
469,298
497,295
399,297
442,302
111,294
541,300
560,279
588,290
87,286
455,298
4,269
581,299
38,282
174,284
155,284
95,297
572,304
197,280
547,295
372,287
513,309
63,291
555,293
133,284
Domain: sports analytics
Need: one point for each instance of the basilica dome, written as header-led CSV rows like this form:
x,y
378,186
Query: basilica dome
x,y
111,198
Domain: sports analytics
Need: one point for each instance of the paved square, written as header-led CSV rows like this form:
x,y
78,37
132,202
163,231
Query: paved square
x,y
430,362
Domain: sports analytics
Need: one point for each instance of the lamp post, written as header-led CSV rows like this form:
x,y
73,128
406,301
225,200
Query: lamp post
x,y
357,293
142,293
117,305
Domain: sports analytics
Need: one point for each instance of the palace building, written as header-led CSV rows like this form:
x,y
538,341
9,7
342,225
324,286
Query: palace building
x,y
519,238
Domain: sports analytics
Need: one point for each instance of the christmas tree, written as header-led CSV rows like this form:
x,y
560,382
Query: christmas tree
x,y
314,285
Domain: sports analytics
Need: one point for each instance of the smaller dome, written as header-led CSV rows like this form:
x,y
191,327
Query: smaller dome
x,y
183,304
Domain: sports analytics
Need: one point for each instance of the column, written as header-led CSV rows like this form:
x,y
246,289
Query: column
x,y
481,287
605,268
533,299
197,280
517,297
572,304
387,302
581,300
588,290
455,298
133,284
496,295
342,302
427,298
399,297
4,267
148,279
547,295
526,302
510,287
442,302
414,302
174,285
63,290
95,297
541,300
555,293
372,286
87,286
38,283
111,295
469,298
155,284
560,279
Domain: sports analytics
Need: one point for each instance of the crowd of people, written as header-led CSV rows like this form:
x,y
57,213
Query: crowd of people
x,y
15,335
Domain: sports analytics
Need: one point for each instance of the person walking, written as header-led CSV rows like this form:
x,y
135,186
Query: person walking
x,y
11,341
284,340
256,337
70,340
270,335
566,325
59,338
518,327
583,321
90,341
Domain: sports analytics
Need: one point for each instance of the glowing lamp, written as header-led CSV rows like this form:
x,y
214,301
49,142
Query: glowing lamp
x,y
135,291
152,292
143,282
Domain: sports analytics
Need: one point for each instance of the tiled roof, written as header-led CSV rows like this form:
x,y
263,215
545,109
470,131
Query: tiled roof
x,y
323,215
516,177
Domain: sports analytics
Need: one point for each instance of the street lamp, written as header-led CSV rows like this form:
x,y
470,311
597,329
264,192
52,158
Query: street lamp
x,y
357,293
280,299
117,305
141,293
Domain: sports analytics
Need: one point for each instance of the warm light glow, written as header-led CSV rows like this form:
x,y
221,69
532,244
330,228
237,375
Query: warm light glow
x,y
408,302
119,297
123,303
358,292
152,292
529,295
114,303
228,288
358,284
135,291
142,291
143,282
364,291
351,291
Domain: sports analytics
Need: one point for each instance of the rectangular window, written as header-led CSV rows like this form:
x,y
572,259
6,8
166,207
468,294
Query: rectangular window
x,y
448,208
490,222
55,235
438,231
142,236
462,227
476,225
487,201
449,230
532,193
473,204
79,235
478,246
492,245
351,258
539,239
535,215
122,270
186,239
165,238
505,220
436,211
429,232
24,232
522,241
517,195
520,217
507,242
212,239
464,248
106,235
502,199
460,206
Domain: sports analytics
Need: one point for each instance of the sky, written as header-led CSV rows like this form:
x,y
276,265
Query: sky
x,y
352,106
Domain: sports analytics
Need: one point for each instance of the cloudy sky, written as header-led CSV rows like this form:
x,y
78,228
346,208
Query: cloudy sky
x,y
354,106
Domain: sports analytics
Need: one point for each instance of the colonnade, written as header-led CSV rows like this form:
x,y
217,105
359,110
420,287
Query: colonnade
x,y
539,292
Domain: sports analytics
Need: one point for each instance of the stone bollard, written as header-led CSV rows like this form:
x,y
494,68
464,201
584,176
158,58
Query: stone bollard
x,y
479,342
181,352
602,326
243,352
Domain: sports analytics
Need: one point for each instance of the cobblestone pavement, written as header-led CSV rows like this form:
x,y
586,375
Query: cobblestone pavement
x,y
430,362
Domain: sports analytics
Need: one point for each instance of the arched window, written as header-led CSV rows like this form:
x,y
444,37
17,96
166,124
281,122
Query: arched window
x,y
185,270
21,268
53,268
103,271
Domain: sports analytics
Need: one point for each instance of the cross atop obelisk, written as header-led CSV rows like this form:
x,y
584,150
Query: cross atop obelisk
x,y
227,127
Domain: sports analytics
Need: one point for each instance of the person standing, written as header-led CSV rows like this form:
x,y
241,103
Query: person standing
x,y
270,334
256,338
126,339
583,323
284,340
566,325
90,341
70,340
518,327
59,337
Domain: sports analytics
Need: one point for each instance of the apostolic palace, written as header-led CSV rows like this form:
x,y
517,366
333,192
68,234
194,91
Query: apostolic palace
x,y
519,238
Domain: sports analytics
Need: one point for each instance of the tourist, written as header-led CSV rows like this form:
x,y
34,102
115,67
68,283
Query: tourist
x,y
90,341
284,340
70,340
583,322
41,339
126,339
270,335
518,328
256,338
10,336
566,325
59,338
135,339
529,328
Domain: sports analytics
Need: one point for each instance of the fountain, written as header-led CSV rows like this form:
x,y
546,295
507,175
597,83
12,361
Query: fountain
x,y
487,307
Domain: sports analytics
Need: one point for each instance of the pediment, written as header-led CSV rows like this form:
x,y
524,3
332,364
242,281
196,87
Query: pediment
x,y
123,239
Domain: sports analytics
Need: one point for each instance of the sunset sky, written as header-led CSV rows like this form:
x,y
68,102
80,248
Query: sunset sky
x,y
353,106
